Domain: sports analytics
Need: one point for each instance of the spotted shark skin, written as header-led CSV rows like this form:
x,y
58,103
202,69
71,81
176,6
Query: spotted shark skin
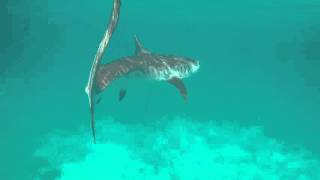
x,y
158,67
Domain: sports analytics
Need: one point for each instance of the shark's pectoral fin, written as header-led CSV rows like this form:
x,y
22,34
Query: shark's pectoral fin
x,y
122,94
178,83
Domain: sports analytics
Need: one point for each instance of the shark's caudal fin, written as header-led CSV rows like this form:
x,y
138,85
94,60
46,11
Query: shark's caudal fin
x,y
92,123
90,88
139,48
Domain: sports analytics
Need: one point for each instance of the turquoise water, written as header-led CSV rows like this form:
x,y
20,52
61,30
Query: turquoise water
x,y
253,109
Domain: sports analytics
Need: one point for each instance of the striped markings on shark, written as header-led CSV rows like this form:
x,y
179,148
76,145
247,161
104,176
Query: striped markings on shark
x,y
157,67
152,66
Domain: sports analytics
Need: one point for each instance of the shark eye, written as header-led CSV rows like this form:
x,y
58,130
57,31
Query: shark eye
x,y
195,62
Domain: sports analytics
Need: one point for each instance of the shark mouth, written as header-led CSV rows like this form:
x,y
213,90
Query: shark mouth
x,y
165,71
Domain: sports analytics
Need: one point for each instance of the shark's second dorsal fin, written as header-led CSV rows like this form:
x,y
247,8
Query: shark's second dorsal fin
x,y
139,48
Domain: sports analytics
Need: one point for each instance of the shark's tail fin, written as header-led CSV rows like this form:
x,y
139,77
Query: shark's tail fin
x,y
93,123
97,59
93,129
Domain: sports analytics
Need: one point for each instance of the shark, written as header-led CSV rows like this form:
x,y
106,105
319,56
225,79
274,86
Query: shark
x,y
153,66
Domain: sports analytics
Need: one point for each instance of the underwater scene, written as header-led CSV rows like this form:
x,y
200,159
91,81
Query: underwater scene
x,y
160,90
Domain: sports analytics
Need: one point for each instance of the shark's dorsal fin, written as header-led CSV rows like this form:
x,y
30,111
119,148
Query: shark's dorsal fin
x,y
139,48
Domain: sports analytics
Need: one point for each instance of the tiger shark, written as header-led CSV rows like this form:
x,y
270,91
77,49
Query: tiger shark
x,y
158,67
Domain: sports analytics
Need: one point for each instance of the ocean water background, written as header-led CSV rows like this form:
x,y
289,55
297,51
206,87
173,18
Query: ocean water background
x,y
259,68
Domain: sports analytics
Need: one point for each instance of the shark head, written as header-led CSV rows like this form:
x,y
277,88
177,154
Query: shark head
x,y
169,67
164,67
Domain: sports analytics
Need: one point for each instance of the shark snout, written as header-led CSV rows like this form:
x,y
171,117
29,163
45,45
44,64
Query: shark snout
x,y
194,65
195,62
191,61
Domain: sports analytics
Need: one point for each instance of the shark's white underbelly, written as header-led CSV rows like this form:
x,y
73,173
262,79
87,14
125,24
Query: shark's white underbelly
x,y
167,72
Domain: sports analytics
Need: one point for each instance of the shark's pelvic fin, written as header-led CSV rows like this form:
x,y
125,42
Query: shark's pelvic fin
x,y
178,83
139,48
98,100
122,94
